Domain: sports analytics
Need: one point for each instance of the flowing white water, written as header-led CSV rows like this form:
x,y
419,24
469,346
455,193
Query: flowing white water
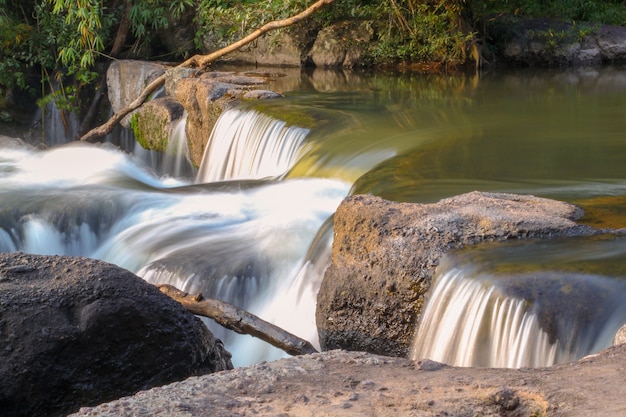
x,y
468,323
474,317
249,145
242,242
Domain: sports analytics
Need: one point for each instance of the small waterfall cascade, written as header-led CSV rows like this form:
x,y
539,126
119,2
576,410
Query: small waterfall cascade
x,y
53,127
478,317
469,323
239,241
174,162
246,144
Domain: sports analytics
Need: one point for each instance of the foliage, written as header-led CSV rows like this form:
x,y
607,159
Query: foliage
x,y
60,42
408,30
611,12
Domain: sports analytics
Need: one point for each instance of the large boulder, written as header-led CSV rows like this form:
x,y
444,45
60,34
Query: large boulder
x,y
153,124
126,79
204,99
272,49
77,332
342,44
385,253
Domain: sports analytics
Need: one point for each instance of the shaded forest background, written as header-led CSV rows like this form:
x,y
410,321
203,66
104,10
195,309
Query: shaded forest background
x,y
58,49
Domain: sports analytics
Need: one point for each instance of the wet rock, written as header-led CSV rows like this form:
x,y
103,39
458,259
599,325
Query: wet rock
x,y
154,122
204,99
261,95
385,253
79,332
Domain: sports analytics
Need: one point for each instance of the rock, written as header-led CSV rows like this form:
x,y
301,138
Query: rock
x,y
342,44
611,40
506,398
384,255
204,95
323,384
204,99
620,336
286,48
126,79
261,95
550,42
174,75
78,332
154,122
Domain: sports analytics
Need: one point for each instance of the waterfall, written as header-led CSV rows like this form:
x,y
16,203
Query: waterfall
x,y
475,316
468,323
175,161
243,242
246,144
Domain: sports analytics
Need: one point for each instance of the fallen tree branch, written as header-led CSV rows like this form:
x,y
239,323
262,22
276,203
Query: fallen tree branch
x,y
239,320
199,61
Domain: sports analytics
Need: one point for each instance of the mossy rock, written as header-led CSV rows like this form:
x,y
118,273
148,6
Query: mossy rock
x,y
152,123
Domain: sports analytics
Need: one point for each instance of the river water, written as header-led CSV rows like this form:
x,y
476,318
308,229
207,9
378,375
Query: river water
x,y
252,225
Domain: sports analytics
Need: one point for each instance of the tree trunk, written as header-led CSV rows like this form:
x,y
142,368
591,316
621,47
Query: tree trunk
x,y
116,49
199,61
239,320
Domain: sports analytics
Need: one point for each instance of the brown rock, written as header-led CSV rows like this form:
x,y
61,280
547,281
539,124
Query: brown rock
x,y
384,255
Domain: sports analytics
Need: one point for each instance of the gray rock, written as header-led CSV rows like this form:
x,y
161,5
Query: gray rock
x,y
126,79
341,45
272,49
76,332
384,255
553,42
261,94
322,384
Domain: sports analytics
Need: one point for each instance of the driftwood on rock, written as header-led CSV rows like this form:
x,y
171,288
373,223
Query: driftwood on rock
x,y
199,61
239,320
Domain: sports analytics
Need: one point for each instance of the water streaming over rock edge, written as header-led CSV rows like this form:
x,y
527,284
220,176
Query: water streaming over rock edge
x,y
495,309
246,144
243,241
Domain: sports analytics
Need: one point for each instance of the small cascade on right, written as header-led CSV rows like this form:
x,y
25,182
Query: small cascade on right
x,y
246,144
534,304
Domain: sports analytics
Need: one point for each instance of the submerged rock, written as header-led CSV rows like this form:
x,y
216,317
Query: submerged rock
x,y
385,253
76,332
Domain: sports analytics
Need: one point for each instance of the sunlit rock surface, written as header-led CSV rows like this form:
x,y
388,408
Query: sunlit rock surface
x,y
126,79
385,253
339,383
75,331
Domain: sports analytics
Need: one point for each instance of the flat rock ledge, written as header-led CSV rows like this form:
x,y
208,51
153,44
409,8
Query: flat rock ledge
x,y
341,383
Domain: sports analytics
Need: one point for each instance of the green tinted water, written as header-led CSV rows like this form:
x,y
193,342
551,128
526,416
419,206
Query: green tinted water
x,y
420,138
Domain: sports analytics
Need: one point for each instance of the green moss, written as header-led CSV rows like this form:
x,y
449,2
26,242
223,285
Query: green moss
x,y
292,116
150,129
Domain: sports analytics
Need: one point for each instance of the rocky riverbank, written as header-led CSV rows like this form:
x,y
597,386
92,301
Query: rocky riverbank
x,y
340,383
